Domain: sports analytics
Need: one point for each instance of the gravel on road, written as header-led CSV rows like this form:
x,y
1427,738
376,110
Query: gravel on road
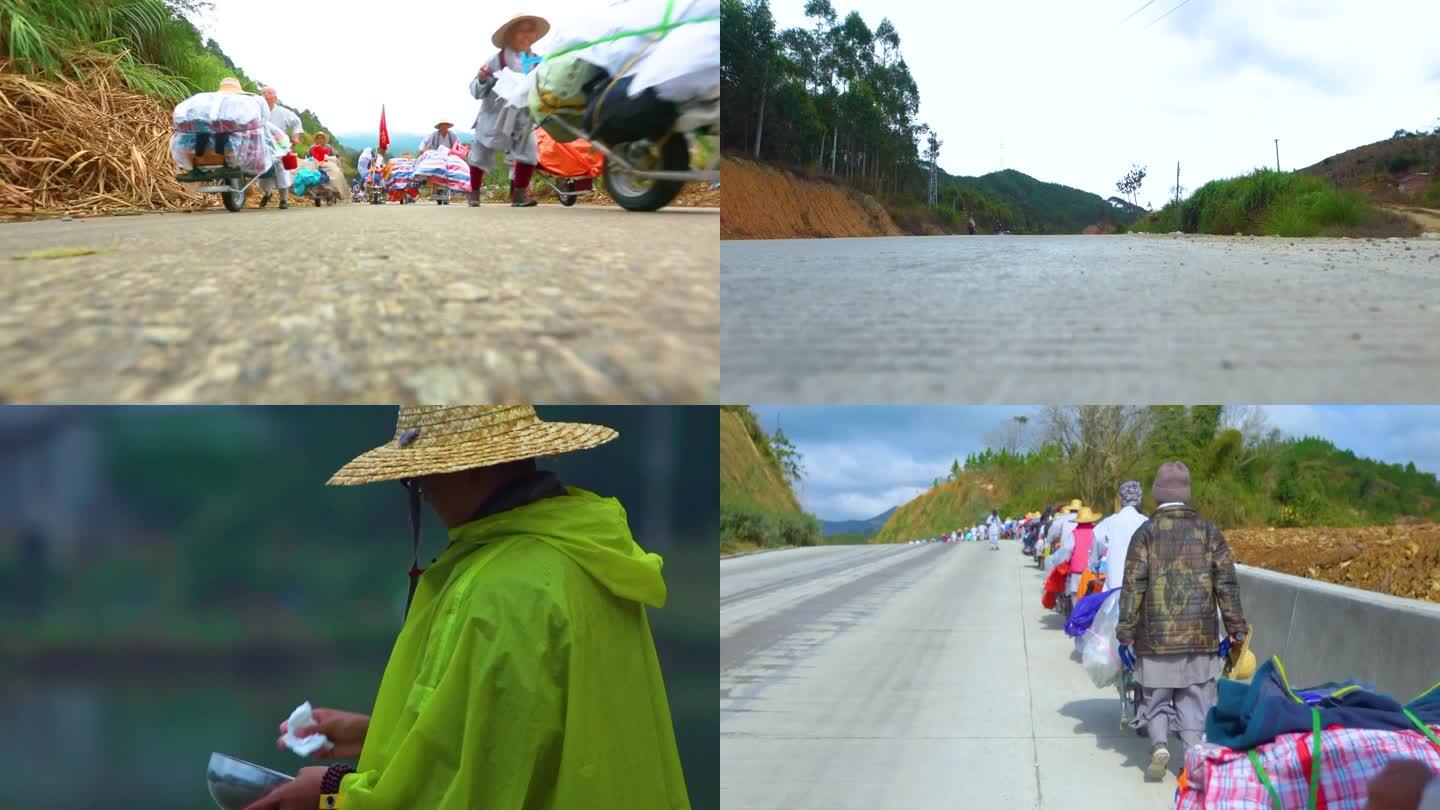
x,y
364,303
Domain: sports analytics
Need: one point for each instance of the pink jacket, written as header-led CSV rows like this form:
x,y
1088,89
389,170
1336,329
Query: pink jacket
x,y
1080,555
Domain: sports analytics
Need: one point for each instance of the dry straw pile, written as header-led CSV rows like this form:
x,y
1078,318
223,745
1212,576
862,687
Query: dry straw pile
x,y
85,149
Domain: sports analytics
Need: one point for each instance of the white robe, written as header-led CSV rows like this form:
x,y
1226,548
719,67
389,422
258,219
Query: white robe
x,y
1112,542
289,123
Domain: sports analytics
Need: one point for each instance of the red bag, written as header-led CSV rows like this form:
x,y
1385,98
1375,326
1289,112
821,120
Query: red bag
x,y
1054,585
290,162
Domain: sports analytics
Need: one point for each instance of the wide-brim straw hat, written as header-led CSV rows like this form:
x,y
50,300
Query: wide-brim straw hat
x,y
501,38
444,124
1088,515
1074,506
439,439
230,85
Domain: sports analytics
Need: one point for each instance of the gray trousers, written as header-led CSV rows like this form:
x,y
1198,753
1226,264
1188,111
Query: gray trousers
x,y
1179,710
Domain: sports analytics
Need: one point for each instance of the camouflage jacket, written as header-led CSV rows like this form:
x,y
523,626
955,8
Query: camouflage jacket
x,y
1178,569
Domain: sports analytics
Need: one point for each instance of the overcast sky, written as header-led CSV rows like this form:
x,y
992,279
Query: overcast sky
x,y
861,460
1074,96
343,60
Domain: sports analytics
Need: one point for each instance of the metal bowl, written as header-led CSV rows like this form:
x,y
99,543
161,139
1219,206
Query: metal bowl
x,y
235,783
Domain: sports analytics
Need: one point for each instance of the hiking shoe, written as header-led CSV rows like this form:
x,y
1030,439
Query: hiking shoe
x,y
1159,761
520,199
265,200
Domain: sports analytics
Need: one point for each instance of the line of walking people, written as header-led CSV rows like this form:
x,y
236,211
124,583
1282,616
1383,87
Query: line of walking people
x,y
1141,595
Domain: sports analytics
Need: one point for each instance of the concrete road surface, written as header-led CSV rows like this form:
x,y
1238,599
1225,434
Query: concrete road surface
x,y
362,303
1095,319
912,678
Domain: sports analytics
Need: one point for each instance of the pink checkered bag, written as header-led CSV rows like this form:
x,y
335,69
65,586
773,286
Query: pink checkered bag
x,y
1279,775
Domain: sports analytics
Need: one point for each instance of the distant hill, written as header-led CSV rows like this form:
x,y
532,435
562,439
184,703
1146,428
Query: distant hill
x,y
1050,207
867,526
399,141
758,507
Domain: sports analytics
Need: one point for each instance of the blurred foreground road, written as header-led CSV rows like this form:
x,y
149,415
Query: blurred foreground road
x,y
912,678
362,303
1094,319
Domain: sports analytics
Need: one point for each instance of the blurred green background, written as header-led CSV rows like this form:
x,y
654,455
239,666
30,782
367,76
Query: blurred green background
x,y
175,580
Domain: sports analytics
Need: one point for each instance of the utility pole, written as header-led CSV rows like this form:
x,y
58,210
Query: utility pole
x,y
1177,182
1277,154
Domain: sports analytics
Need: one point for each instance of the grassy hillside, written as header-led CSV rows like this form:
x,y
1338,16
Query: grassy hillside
x,y
1272,203
133,59
1402,169
1238,481
758,508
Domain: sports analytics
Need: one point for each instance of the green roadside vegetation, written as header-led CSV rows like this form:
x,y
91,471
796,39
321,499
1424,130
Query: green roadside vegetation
x,y
758,507
1270,203
1241,476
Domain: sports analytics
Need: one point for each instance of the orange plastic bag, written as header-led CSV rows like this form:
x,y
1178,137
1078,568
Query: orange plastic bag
x,y
572,159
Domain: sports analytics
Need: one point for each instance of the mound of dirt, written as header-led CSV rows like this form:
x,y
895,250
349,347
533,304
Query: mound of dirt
x,y
1393,170
1402,560
767,203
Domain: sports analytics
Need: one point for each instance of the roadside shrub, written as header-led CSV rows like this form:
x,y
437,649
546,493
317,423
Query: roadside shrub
x,y
1400,163
748,524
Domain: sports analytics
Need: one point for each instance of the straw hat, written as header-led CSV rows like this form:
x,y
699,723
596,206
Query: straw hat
x,y
438,439
1088,515
1074,506
230,85
501,39
444,124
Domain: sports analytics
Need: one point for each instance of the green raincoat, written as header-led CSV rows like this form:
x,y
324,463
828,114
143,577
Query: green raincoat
x,y
525,677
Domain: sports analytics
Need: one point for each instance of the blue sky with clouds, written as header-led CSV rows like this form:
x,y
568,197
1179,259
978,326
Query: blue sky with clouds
x,y
861,460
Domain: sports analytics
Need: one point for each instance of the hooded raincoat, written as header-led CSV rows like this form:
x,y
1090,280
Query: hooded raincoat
x,y
525,677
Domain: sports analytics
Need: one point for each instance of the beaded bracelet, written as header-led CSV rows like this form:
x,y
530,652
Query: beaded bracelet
x,y
333,775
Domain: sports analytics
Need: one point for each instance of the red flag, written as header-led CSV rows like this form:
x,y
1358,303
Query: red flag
x,y
384,131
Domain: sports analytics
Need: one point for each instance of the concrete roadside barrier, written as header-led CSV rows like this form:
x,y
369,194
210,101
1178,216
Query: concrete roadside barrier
x,y
1326,632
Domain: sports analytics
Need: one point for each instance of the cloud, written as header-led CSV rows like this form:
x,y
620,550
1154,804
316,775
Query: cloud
x,y
862,460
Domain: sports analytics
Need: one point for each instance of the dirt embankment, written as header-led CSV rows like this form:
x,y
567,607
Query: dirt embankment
x,y
1398,560
767,203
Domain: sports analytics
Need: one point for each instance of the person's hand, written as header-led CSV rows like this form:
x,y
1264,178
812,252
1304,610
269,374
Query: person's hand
x,y
1127,657
301,794
346,731
486,72
1399,786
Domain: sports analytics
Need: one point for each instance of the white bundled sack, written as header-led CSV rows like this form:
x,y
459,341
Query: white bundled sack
x,y
1100,657
513,88
220,112
677,66
684,65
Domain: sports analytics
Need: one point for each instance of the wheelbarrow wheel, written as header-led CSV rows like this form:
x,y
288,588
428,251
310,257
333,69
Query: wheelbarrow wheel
x,y
234,200
567,192
638,194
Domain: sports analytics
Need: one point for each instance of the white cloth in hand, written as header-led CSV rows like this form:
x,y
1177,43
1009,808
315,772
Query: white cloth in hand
x,y
300,720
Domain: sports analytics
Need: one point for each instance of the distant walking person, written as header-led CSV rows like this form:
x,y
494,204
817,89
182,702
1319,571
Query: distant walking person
x,y
1112,535
1177,570
993,527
